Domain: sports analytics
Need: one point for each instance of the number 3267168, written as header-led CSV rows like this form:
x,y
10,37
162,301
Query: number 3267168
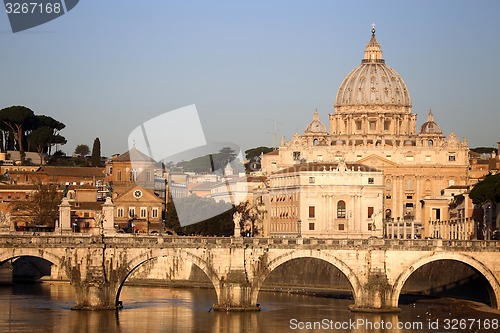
x,y
33,8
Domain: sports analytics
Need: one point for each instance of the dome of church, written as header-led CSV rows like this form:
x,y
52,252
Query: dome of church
x,y
316,126
430,126
373,82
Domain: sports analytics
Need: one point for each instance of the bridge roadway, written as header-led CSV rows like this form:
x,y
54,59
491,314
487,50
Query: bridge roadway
x,y
98,265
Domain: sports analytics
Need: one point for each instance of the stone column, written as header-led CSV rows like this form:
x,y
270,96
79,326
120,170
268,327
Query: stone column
x,y
64,223
108,217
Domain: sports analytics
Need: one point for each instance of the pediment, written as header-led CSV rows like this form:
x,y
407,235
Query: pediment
x,y
138,194
376,161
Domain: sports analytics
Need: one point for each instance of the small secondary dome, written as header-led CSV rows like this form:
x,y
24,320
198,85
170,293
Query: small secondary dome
x,y
373,82
316,126
430,126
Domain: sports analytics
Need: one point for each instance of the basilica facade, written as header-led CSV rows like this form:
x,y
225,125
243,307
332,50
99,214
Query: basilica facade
x,y
372,125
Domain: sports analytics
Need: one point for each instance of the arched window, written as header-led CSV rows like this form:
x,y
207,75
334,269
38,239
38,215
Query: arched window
x,y
341,209
315,142
430,143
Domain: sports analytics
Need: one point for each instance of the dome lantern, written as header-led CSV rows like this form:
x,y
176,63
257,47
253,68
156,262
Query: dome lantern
x,y
373,52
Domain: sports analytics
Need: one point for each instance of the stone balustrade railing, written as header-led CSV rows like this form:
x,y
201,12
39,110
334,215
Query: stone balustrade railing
x,y
134,241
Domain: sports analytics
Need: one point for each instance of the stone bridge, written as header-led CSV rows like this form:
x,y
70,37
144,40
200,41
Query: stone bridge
x,y
98,265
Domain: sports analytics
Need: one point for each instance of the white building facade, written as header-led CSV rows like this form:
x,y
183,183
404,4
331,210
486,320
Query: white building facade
x,y
325,200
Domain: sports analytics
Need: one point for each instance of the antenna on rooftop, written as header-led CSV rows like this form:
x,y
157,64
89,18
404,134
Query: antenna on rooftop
x,y
275,131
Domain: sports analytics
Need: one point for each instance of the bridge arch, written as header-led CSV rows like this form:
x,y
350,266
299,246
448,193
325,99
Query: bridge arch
x,y
493,287
54,259
190,257
298,254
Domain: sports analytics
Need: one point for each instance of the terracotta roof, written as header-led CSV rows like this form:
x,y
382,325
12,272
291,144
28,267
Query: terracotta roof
x,y
137,156
17,187
457,187
72,171
86,206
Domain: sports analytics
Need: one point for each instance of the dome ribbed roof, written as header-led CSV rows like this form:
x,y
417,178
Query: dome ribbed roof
x,y
373,82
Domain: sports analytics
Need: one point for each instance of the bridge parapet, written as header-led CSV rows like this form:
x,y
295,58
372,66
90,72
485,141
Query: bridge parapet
x,y
160,241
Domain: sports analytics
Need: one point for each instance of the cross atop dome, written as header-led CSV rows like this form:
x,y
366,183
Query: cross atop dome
x,y
373,52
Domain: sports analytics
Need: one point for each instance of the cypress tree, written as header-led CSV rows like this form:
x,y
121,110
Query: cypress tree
x,y
95,160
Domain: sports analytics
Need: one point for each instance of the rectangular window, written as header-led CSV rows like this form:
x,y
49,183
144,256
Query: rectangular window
x,y
341,226
409,158
358,157
154,212
428,158
358,126
451,158
131,212
296,155
320,157
311,226
389,157
437,213
312,212
312,180
338,157
143,212
373,126
387,125
371,180
370,212
119,212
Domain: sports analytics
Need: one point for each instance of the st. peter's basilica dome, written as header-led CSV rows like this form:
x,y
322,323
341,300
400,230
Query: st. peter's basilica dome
x,y
373,83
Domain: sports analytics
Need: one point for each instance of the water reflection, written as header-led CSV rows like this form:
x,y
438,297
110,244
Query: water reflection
x,y
46,308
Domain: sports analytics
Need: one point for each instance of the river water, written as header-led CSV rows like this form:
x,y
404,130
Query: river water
x,y
46,308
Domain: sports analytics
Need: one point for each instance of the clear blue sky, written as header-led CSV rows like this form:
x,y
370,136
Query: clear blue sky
x,y
108,66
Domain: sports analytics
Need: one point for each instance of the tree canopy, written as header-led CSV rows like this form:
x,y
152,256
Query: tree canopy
x,y
191,207
213,162
17,123
253,157
41,207
82,150
95,160
487,190
17,119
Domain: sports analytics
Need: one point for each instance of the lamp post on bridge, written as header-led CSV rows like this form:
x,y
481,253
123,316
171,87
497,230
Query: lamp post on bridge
x,y
299,228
